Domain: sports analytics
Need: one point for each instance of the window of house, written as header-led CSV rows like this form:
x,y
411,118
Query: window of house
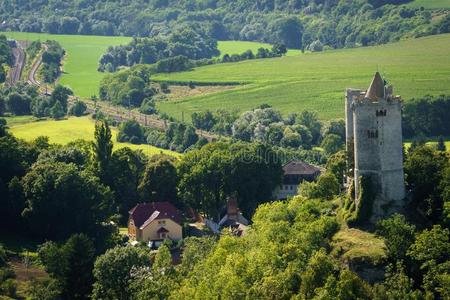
x,y
372,134
162,222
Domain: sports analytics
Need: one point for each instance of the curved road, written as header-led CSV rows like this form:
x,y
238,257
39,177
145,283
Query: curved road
x,y
34,68
115,112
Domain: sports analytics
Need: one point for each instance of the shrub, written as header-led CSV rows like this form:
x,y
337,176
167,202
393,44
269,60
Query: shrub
x,y
78,108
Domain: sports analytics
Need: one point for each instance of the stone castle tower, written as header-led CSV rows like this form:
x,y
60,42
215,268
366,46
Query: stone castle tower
x,y
375,146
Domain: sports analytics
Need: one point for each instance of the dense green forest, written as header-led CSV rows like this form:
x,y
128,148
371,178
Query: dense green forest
x,y
295,249
303,24
6,57
183,42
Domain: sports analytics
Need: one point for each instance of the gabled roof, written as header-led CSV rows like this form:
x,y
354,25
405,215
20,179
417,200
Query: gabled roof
x,y
144,213
376,88
299,168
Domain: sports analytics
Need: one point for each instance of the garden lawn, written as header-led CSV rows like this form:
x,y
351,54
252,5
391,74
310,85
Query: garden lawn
x,y
317,81
71,129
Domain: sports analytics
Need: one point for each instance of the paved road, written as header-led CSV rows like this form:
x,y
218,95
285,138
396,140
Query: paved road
x,y
32,76
115,112
19,62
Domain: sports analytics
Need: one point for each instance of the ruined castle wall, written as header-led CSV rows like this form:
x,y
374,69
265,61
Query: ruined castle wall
x,y
350,95
391,145
366,137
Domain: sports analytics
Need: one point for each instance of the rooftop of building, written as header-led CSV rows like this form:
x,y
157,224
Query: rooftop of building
x,y
296,167
144,213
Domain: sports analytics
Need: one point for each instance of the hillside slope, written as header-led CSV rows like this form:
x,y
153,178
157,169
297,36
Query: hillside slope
x,y
316,81
297,24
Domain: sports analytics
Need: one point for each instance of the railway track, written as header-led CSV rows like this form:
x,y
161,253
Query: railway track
x,y
117,113
19,62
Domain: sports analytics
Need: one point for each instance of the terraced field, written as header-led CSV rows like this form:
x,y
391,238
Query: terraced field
x,y
316,81
65,131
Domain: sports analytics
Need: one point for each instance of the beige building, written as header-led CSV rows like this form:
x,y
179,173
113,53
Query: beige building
x,y
157,221
294,173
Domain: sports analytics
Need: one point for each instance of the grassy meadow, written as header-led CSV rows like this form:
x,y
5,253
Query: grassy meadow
x,y
317,81
81,61
430,4
71,129
84,51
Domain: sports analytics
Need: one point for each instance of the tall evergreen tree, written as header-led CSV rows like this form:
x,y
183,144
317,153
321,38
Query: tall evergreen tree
x,y
441,144
103,150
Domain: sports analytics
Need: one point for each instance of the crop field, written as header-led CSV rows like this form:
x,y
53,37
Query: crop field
x,y
81,61
317,81
65,131
430,4
238,47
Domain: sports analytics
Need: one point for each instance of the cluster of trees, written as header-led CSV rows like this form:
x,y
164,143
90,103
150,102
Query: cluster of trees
x,y
177,137
25,100
93,178
265,124
426,117
51,61
6,57
185,42
302,24
129,88
276,51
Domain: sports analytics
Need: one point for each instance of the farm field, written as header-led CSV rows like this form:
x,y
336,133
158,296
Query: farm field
x,y
81,61
317,81
84,51
238,47
65,131
430,4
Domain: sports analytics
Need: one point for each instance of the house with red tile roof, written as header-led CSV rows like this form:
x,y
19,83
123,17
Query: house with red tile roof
x,y
157,221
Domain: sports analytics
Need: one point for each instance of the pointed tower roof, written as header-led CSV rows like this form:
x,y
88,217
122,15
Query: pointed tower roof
x,y
376,88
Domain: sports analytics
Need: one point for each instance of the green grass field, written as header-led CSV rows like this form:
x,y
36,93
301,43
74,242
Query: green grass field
x,y
65,131
430,4
317,81
81,61
238,47
83,53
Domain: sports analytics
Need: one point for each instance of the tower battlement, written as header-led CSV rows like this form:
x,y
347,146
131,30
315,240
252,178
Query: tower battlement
x,y
374,143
